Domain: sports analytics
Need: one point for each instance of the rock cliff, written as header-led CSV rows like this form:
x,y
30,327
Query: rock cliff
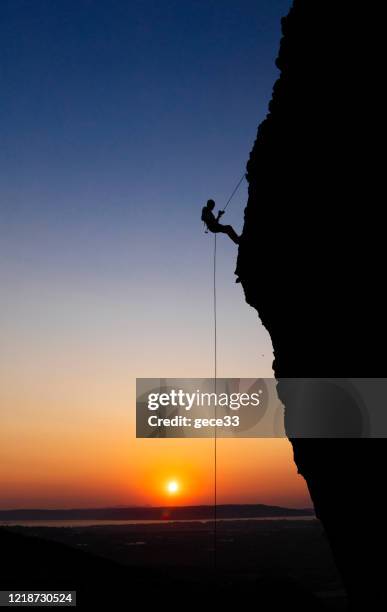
x,y
311,258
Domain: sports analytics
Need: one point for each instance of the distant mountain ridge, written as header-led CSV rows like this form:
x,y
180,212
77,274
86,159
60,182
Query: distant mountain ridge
x,y
156,513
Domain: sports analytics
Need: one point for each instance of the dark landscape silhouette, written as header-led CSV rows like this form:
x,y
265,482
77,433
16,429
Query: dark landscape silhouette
x,y
281,562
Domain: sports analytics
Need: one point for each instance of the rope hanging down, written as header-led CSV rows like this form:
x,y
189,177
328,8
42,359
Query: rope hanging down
x,y
216,374
214,282
215,437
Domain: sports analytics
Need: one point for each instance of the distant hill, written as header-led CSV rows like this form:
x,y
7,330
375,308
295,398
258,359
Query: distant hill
x,y
156,513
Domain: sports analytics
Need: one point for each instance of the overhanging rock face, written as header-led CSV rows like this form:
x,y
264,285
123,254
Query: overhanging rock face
x,y
311,259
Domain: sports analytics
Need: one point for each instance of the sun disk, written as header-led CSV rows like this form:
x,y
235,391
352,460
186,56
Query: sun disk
x,y
172,486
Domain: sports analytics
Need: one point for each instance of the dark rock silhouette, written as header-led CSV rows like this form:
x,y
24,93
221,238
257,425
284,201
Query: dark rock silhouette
x,y
311,257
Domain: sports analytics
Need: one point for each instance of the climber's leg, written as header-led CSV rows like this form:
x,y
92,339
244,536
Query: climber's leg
x,y
231,233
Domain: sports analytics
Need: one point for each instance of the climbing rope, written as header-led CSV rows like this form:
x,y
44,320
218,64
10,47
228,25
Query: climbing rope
x,y
235,190
214,281
216,374
215,436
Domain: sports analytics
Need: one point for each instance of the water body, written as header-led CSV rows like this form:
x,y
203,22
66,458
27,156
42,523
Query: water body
x,y
102,523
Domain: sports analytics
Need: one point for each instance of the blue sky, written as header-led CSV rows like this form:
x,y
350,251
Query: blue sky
x,y
118,119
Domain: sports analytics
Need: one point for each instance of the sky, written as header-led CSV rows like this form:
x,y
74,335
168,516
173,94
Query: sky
x,y
118,120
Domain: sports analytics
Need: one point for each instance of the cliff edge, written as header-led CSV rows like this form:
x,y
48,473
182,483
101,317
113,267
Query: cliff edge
x,y
311,258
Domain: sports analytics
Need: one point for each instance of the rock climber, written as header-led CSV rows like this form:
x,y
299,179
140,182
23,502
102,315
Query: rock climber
x,y
213,224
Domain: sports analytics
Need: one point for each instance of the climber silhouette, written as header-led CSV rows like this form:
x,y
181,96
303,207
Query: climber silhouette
x,y
213,224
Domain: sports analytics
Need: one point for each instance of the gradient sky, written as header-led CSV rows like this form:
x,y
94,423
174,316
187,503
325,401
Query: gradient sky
x,y
118,120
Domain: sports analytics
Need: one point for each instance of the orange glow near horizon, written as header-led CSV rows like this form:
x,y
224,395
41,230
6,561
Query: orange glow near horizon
x,y
67,439
107,466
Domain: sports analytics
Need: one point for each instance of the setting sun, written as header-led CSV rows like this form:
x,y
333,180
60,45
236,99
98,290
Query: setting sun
x,y
172,487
